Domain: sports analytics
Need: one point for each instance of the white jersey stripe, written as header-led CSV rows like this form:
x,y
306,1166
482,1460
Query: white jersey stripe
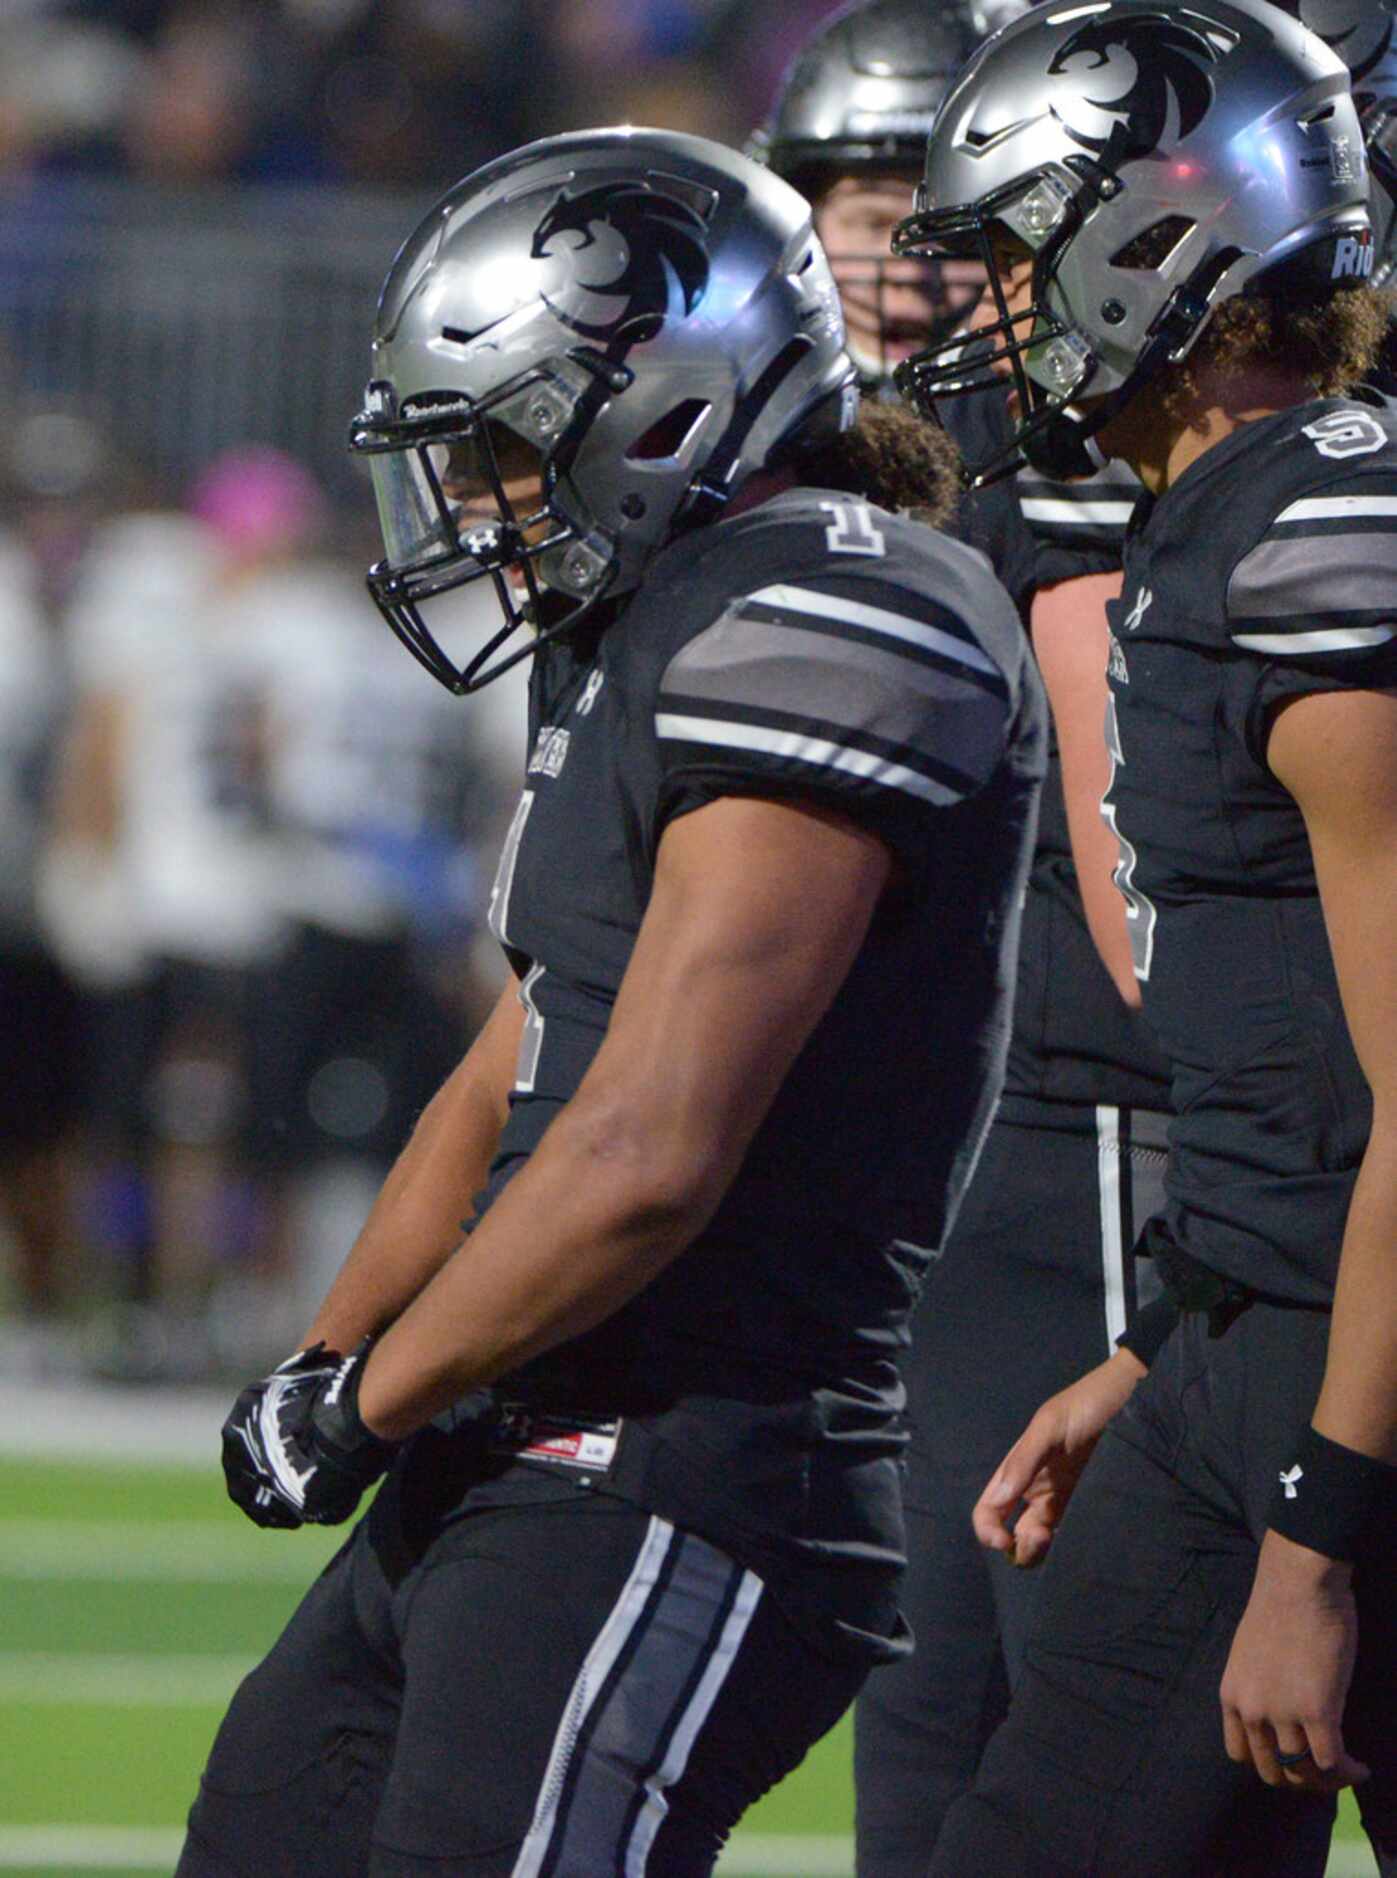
x,y
1113,1249
655,1806
1336,508
797,748
1053,509
591,1680
1325,639
876,619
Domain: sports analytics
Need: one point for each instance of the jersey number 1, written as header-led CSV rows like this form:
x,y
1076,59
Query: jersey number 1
x,y
852,530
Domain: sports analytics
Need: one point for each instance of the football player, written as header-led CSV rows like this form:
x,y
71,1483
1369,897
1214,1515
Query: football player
x,y
1172,206
849,131
1039,1266
640,1537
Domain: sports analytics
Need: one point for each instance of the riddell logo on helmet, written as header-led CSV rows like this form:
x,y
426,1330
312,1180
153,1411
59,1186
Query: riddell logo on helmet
x,y
1353,257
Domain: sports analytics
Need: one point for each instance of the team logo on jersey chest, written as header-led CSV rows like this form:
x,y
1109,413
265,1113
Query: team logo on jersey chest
x,y
550,751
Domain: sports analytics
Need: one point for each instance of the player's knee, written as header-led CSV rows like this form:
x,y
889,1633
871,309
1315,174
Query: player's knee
x,y
979,1840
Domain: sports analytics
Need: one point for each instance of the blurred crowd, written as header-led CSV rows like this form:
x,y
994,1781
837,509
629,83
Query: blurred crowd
x,y
247,855
247,844
399,93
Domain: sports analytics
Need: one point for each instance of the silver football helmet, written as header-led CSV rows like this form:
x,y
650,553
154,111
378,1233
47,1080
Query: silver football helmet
x,y
1156,160
1364,34
858,102
615,326
864,90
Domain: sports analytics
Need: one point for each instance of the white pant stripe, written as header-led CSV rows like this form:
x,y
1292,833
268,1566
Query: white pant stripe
x,y
590,1680
1113,1248
677,1758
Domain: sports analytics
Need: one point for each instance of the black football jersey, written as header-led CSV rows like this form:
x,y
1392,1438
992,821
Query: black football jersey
x,y
820,649
1074,1040
1267,571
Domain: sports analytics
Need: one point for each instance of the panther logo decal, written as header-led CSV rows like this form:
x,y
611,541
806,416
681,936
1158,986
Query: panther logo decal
x,y
1132,85
626,259
1359,31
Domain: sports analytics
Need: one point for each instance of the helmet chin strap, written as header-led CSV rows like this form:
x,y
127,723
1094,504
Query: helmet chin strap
x,y
1064,447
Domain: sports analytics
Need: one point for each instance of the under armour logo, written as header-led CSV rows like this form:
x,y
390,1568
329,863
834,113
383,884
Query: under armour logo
x,y
1289,1477
1144,600
595,681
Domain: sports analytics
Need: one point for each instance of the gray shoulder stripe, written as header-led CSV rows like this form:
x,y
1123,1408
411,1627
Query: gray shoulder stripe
x,y
876,619
1337,509
793,746
752,666
1082,514
1326,639
1303,575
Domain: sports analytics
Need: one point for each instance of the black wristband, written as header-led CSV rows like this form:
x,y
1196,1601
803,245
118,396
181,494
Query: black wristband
x,y
1333,1499
341,1441
1146,1337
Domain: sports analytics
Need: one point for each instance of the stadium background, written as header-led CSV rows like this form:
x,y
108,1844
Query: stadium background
x,y
198,202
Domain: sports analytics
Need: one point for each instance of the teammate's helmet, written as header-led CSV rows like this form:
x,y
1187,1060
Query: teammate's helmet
x,y
1156,161
1364,34
643,317
854,110
863,92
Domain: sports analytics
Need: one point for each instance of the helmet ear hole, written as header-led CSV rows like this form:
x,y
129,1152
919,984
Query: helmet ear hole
x,y
1152,248
669,436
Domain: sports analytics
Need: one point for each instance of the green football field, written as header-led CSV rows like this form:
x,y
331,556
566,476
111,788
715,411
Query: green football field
x,y
130,1602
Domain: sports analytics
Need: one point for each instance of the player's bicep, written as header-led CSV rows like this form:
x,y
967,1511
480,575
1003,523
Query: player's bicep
x,y
1336,752
758,911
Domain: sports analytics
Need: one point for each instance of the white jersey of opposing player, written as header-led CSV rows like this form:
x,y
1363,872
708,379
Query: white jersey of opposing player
x,y
382,788
151,635
30,695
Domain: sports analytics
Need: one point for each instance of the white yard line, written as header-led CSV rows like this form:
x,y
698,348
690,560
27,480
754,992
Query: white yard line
x,y
92,1848
60,1679
169,1427
114,1551
70,1849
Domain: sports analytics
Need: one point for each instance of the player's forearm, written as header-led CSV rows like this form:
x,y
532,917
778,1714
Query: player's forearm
x,y
1358,1403
417,1221
602,1207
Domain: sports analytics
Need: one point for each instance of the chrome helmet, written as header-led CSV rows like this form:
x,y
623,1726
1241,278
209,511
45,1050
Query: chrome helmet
x,y
856,105
864,90
1156,160
1364,34
624,324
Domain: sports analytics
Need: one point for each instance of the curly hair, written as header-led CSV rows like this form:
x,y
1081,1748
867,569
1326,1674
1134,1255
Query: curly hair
x,y
890,457
1331,344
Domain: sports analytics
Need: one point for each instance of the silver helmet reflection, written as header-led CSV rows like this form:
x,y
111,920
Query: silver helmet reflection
x,y
1154,161
1364,34
583,348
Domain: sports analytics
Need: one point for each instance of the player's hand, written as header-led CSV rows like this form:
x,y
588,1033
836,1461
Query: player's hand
x,y
1046,1461
295,1448
1289,1670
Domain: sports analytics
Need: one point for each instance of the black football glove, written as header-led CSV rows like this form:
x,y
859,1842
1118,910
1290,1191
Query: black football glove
x,y
294,1448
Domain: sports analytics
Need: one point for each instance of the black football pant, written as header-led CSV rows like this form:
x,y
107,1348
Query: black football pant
x,y
1036,1281
563,1688
1112,1761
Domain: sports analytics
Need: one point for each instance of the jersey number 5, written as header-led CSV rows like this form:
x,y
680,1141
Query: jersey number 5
x,y
1141,914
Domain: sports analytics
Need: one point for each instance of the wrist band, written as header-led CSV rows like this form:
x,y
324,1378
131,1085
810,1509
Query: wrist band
x,y
1331,1498
1146,1337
